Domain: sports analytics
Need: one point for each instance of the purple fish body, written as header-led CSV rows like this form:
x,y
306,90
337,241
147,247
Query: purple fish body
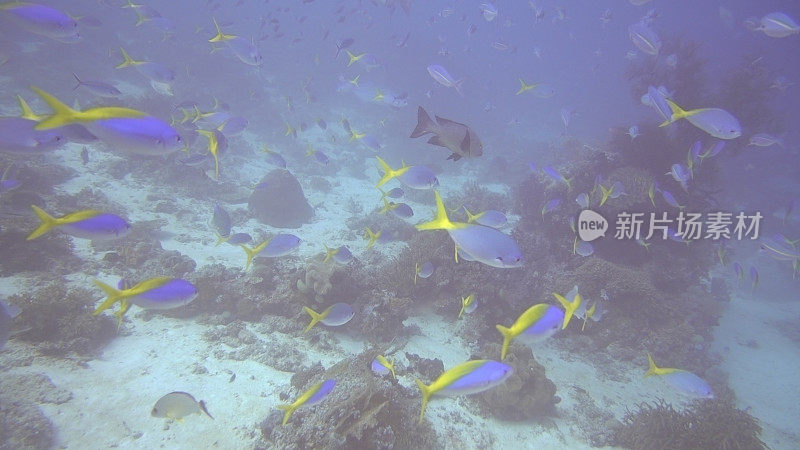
x,y
18,136
281,245
174,293
419,177
323,391
99,227
146,135
489,374
45,21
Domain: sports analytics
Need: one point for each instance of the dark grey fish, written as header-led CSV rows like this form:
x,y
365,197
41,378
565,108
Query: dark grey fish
x,y
97,87
460,139
221,221
343,44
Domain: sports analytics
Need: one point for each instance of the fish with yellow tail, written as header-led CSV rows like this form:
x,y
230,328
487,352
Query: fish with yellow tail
x,y
570,306
714,121
123,128
476,242
468,304
86,224
156,293
316,394
536,324
470,377
333,316
278,245
683,381
382,366
371,236
415,177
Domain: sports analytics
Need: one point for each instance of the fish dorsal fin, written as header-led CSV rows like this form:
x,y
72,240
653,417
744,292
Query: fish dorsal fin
x,y
443,122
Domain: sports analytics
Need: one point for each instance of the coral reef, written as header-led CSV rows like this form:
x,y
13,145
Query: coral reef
x,y
363,411
317,279
58,320
280,202
708,425
526,394
23,425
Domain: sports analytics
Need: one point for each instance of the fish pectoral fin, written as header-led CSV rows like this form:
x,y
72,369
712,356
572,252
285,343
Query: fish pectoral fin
x,y
436,140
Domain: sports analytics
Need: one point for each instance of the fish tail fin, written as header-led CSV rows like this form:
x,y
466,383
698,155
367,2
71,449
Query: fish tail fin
x,y
353,58
441,221
220,36
569,308
315,317
62,114
677,112
606,194
113,295
329,252
463,307
221,239
126,59
568,182
388,172
426,395
78,80
523,87
652,369
507,337
204,409
251,253
288,410
48,223
424,123
458,87
27,112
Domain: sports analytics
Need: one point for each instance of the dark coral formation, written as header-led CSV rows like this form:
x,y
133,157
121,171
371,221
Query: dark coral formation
x,y
526,394
707,425
279,201
363,411
58,320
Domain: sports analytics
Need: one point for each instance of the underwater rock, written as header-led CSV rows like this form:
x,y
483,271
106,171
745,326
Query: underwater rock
x,y
381,318
280,202
363,411
526,394
428,369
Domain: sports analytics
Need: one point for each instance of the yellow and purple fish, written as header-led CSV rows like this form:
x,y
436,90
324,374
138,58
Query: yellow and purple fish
x,y
316,394
85,224
44,21
484,244
156,293
470,377
684,381
535,324
120,128
333,316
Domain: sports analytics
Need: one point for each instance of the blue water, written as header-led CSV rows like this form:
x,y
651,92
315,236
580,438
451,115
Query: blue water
x,y
239,341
